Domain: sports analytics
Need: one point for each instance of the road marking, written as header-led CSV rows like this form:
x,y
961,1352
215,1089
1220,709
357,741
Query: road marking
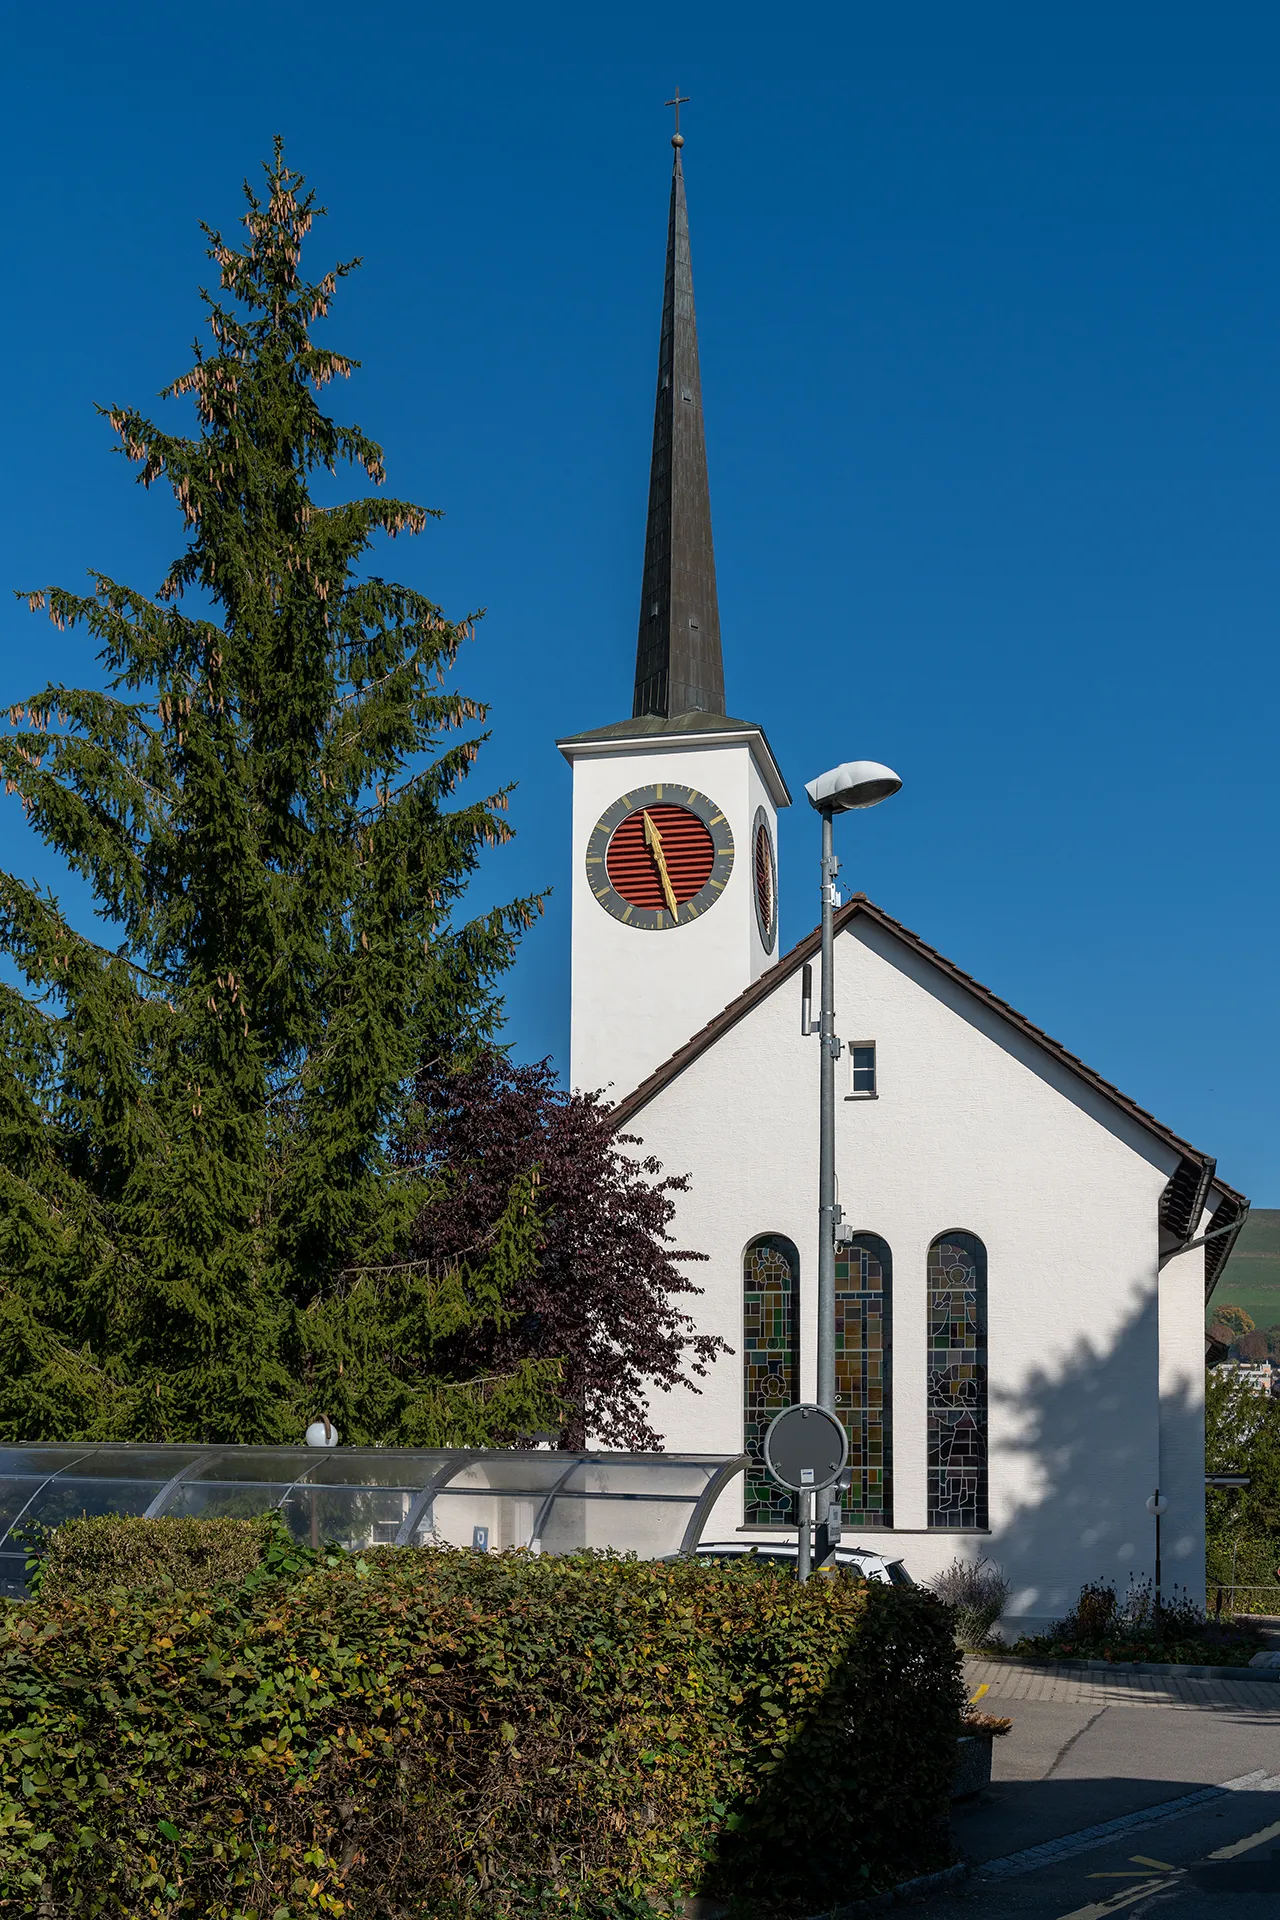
x,y
975,1697
1100,1836
1243,1846
1259,1781
1098,1909
1145,1860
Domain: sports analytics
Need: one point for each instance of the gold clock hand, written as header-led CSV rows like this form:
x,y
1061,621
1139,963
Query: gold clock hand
x,y
653,840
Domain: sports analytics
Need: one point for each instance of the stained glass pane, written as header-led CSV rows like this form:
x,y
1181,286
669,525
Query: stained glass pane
x,y
864,1283
770,1329
957,1391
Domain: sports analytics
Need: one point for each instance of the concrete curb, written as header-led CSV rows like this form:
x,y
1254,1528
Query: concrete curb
x,y
702,1907
905,1890
1167,1667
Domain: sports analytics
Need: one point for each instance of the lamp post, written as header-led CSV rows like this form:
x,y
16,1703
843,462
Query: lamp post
x,y
1157,1506
845,789
320,1433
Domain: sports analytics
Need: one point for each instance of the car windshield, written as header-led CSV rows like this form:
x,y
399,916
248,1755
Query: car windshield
x,y
783,1553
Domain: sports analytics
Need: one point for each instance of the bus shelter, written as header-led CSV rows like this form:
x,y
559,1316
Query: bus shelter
x,y
649,1504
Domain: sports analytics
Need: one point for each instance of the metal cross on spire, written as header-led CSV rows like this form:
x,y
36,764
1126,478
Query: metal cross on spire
x,y
681,100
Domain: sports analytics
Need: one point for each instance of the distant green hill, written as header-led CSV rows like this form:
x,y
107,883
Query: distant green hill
x,y
1251,1277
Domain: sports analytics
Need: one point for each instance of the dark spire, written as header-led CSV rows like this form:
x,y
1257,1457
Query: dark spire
x,y
678,663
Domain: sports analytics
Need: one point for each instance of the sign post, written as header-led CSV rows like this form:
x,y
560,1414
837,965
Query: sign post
x,y
806,1450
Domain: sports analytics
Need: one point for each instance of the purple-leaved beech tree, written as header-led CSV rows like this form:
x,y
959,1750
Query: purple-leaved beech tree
x,y
604,1295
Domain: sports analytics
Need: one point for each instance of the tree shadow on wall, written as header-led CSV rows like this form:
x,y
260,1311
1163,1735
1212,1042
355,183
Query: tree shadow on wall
x,y
1092,1439
859,1797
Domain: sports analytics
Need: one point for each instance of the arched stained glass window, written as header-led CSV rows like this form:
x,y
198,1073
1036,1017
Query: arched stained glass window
x,y
770,1366
864,1287
957,1390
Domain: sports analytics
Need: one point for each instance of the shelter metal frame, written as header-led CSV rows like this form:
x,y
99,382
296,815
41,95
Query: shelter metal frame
x,y
600,1498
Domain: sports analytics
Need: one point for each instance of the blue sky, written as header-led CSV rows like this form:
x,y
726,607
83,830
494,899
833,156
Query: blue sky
x,y
989,305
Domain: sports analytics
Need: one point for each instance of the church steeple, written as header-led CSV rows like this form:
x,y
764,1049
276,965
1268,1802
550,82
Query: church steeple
x,y
678,664
675,869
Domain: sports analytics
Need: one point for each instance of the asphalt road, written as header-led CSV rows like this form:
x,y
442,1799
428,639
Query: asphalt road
x,y
1103,1753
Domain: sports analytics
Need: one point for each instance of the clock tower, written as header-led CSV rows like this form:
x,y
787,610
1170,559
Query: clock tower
x,y
675,873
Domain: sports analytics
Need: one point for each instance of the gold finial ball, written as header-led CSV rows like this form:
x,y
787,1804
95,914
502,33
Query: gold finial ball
x,y
677,139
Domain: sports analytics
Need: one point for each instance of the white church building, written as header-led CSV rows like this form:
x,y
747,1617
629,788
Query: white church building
x,y
1020,1312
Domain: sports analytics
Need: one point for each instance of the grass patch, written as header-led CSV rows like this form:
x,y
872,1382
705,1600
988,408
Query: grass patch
x,y
1251,1277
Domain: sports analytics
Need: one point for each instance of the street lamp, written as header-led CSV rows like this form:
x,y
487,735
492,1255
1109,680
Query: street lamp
x,y
845,789
320,1433
1157,1506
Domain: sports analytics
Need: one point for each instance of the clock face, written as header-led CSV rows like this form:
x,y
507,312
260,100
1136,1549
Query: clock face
x,y
765,875
660,856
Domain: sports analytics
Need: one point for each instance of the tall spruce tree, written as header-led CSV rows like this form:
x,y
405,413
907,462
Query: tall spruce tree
x,y
205,1203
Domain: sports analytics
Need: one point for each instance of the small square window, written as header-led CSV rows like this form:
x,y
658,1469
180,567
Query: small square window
x,y
862,1075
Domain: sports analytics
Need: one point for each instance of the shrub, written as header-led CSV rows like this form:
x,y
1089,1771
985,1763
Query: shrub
x,y
1102,1626
1242,1525
96,1554
977,1594
1095,1615
427,1732
994,1725
1243,1561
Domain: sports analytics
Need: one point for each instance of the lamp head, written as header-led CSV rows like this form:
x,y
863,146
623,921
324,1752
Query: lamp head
x,y
321,1433
858,783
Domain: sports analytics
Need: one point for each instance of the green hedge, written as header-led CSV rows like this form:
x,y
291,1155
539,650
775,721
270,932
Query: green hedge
x,y
97,1554
438,1734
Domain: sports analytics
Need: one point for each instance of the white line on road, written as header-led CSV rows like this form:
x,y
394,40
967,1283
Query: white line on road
x,y
1099,1909
1244,1846
1080,1842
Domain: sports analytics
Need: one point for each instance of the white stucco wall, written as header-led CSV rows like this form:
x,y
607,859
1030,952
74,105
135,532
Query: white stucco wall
x,y
1182,1342
1094,1363
639,994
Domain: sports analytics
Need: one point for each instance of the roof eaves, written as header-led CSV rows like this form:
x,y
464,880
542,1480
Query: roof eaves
x,y
806,948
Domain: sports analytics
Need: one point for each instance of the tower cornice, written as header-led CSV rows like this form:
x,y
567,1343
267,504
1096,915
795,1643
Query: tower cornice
x,y
686,730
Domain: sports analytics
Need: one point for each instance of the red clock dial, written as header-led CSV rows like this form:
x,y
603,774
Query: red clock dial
x,y
634,862
764,876
766,879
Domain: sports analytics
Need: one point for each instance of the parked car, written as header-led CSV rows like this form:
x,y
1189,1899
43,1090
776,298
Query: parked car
x,y
863,1560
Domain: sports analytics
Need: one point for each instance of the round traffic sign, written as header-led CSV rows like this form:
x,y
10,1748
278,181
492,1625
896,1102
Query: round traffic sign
x,y
806,1448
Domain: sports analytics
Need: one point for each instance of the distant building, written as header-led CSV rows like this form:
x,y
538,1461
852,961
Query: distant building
x,y
1260,1376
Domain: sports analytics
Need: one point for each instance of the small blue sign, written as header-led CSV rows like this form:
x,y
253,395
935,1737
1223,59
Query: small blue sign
x,y
480,1539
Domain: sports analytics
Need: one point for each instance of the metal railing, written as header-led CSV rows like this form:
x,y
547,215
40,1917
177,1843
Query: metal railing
x,y
1227,1599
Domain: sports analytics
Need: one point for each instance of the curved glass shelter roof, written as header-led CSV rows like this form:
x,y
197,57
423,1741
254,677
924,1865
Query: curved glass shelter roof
x,y
649,1504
